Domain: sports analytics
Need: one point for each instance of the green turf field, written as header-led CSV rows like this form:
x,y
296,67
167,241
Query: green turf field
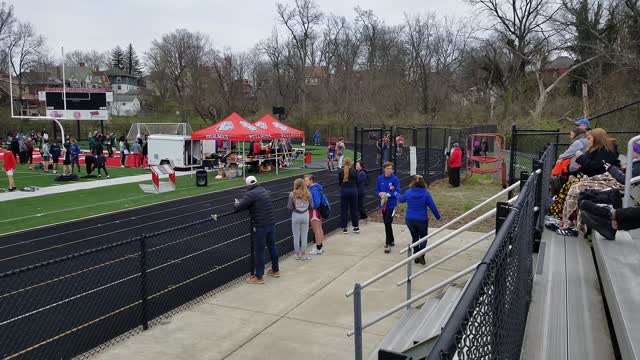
x,y
37,211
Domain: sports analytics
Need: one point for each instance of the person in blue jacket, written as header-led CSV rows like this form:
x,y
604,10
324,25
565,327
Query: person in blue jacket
x,y
363,181
418,199
314,214
316,138
386,187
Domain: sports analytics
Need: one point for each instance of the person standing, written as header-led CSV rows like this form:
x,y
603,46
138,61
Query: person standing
x,y
314,215
75,154
386,187
348,182
66,162
15,147
331,156
477,152
9,166
340,148
316,138
145,150
22,144
46,154
300,204
137,153
418,199
109,143
101,160
30,148
124,152
363,181
55,152
455,163
258,201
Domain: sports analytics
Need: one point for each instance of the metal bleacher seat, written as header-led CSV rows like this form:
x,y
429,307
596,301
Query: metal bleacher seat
x,y
567,318
619,267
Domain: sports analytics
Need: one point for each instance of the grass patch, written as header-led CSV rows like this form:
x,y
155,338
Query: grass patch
x,y
37,211
453,202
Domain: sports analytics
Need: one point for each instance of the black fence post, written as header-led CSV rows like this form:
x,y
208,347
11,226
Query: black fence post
x,y
537,231
252,247
381,139
355,143
427,154
362,144
502,212
512,157
555,153
392,147
524,176
143,282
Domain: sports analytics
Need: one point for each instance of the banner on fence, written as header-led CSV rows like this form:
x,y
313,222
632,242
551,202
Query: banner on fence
x,y
413,160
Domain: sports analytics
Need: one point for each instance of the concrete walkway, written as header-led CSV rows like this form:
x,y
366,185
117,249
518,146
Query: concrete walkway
x,y
75,186
301,315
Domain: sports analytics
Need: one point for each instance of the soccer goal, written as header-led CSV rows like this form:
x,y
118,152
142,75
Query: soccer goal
x,y
144,129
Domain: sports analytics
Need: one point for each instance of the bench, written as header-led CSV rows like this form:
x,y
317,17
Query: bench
x,y
567,318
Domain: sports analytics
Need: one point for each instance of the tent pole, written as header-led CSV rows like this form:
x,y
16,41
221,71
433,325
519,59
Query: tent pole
x,y
277,145
244,175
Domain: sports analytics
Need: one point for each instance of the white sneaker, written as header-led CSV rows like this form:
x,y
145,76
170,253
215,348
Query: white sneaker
x,y
108,177
55,171
315,251
121,166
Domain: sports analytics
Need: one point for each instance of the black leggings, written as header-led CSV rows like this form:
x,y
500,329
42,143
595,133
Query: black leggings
x,y
362,210
349,206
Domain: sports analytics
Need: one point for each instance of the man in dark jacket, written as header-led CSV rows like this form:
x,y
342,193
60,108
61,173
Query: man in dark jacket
x,y
258,201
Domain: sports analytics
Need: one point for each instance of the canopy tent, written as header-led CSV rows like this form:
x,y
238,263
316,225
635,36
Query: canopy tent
x,y
277,129
232,128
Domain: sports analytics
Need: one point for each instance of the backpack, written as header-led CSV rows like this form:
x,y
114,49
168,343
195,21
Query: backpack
x,y
325,207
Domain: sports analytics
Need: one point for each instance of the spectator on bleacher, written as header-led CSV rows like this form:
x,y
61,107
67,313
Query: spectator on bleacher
x,y
348,182
567,160
331,156
55,152
258,201
606,220
74,148
46,155
314,215
9,166
583,124
300,204
363,182
418,199
136,152
601,150
387,185
455,163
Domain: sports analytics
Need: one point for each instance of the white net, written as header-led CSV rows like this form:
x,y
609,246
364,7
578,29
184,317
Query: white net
x,y
143,129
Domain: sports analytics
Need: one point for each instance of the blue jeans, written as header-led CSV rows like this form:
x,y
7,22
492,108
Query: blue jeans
x,y
418,230
265,235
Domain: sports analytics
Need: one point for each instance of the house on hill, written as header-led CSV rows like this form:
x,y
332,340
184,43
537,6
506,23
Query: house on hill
x,y
558,66
126,93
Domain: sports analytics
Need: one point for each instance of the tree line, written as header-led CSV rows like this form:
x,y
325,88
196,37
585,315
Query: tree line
x,y
324,68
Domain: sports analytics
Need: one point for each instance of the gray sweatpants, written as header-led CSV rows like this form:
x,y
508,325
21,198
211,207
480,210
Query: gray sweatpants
x,y
300,229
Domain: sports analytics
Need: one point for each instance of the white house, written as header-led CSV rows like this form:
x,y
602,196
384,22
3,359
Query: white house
x,y
125,105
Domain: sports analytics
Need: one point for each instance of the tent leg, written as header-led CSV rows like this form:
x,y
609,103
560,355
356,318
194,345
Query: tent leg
x,y
277,162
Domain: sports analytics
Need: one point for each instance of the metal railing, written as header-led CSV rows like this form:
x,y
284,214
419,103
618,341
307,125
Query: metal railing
x,y
628,180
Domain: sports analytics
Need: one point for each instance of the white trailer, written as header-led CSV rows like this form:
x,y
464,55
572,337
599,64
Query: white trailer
x,y
177,150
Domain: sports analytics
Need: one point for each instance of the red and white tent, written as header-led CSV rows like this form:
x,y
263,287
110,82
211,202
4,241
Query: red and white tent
x,y
277,129
233,128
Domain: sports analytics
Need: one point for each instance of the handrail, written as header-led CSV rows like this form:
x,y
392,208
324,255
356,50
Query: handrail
x,y
626,201
479,206
427,292
444,259
395,267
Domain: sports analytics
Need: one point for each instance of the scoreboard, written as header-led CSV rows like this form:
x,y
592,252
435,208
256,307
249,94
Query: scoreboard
x,y
82,103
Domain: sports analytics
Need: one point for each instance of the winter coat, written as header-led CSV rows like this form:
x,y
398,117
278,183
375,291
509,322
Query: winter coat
x,y
591,162
619,175
363,181
258,201
418,199
455,160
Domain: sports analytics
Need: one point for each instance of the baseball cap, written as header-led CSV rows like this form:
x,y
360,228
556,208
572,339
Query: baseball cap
x,y
251,180
582,121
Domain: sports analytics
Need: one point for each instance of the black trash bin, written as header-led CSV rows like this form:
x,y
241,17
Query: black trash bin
x,y
201,178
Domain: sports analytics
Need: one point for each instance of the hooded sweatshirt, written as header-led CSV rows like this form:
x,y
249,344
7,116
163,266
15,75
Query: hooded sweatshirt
x,y
316,195
418,199
362,181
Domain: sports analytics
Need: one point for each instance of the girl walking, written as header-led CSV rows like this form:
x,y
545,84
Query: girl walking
x,y
299,204
418,199
348,182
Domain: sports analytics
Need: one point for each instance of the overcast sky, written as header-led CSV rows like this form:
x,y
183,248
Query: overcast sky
x,y
238,24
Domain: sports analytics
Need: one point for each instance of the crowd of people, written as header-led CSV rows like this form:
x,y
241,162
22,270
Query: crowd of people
x,y
309,207
587,184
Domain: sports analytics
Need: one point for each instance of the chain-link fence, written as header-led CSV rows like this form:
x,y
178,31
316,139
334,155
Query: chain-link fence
x,y
81,303
490,319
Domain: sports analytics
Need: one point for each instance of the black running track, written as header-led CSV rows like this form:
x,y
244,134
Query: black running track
x,y
67,307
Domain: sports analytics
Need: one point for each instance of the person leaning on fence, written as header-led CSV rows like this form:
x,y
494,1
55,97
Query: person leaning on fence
x,y
314,215
300,203
416,218
363,182
9,166
348,182
258,201
387,185
455,163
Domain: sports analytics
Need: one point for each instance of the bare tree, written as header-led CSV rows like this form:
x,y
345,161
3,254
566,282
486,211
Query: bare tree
x,y
92,58
300,22
25,48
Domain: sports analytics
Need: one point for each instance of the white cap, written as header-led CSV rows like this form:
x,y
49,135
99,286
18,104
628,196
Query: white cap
x,y
251,180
